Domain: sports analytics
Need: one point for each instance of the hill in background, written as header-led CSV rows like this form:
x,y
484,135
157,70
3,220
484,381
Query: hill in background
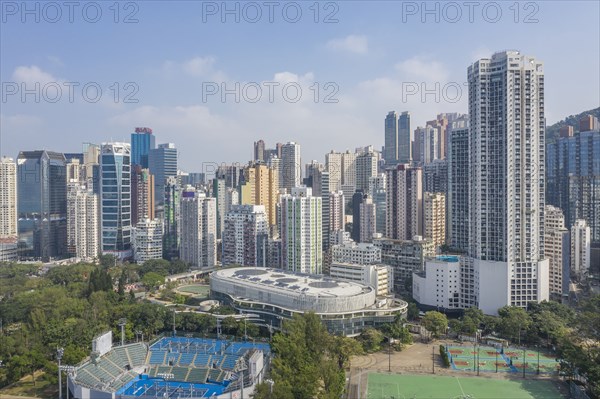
x,y
573,120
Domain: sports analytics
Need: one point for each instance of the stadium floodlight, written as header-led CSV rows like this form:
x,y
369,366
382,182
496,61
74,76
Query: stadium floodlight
x,y
122,324
59,354
69,370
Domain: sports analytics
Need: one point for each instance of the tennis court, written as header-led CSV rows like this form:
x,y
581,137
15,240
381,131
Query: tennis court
x,y
487,358
392,386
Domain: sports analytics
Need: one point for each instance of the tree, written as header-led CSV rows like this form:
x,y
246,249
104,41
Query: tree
x,y
307,361
152,280
229,325
412,311
513,321
435,322
371,339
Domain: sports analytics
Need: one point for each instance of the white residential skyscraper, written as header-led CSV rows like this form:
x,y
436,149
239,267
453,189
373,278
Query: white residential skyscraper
x,y
556,248
8,198
245,236
8,210
507,132
198,244
434,214
83,227
581,236
147,240
404,202
300,230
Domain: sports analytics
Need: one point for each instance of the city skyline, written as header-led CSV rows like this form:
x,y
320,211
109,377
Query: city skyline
x,y
170,83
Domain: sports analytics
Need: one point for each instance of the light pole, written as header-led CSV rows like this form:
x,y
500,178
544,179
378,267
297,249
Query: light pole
x,y
538,365
433,359
496,360
389,354
122,323
68,370
524,362
59,355
474,356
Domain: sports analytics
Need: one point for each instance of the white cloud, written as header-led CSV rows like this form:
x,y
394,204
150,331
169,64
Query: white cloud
x,y
481,52
357,44
56,61
196,67
32,75
199,66
423,68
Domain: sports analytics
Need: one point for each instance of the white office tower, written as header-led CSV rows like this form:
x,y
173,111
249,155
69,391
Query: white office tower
x,y
556,248
8,210
580,249
300,230
337,211
507,129
83,227
291,166
245,236
147,240
198,244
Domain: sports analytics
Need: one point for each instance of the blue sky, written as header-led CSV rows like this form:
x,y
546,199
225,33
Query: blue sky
x,y
373,54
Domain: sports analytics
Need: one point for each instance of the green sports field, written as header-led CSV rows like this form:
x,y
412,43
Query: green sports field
x,y
388,386
198,290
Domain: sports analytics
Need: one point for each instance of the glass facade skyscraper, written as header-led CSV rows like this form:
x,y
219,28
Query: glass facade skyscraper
x,y
404,138
115,192
573,179
142,141
162,162
42,204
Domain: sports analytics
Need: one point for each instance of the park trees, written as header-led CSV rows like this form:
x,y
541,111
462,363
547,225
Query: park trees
x,y
435,322
513,322
308,361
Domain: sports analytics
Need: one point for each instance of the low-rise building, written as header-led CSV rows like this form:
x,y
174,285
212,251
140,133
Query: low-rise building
x,y
380,277
272,295
351,252
405,257
438,286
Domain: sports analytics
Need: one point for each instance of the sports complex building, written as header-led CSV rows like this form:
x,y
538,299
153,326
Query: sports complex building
x,y
172,367
271,295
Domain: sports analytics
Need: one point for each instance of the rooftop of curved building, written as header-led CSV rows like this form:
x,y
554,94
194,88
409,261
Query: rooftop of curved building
x,y
294,283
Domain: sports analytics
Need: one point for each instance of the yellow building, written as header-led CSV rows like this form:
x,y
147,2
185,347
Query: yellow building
x,y
261,188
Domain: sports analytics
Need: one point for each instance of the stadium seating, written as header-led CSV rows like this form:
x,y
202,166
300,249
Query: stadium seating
x,y
157,357
216,375
216,361
197,375
202,360
137,354
229,362
173,358
187,358
179,373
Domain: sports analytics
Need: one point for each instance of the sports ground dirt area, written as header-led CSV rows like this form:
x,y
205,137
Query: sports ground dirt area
x,y
412,377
